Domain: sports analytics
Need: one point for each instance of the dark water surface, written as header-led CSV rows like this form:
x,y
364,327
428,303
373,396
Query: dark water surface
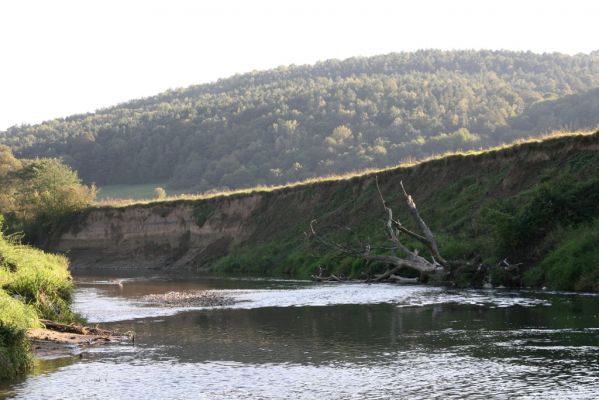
x,y
292,339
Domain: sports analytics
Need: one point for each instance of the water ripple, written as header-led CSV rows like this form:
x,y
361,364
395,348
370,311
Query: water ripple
x,y
98,307
411,375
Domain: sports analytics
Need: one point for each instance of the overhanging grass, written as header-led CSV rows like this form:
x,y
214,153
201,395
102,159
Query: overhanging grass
x,y
38,278
15,319
33,285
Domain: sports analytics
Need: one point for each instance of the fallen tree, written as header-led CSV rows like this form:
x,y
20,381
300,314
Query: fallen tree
x,y
401,256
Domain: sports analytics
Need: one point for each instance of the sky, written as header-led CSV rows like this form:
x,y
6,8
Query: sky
x,y
61,57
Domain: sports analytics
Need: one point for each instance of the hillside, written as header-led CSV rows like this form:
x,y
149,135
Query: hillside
x,y
533,203
295,122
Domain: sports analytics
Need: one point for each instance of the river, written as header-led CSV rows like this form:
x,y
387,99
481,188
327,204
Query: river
x,y
300,340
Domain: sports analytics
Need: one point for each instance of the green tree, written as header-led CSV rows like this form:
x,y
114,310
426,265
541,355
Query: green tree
x,y
331,117
39,195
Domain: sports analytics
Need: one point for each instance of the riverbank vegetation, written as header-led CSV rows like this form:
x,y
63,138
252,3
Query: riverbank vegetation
x,y
516,215
34,285
520,216
37,196
298,122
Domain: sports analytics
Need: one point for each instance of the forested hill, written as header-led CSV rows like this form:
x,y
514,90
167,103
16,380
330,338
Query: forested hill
x,y
295,122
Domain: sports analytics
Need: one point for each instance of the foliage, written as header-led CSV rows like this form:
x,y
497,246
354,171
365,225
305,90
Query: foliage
x,y
521,222
8,162
33,285
40,279
15,318
573,264
201,213
37,195
297,122
531,204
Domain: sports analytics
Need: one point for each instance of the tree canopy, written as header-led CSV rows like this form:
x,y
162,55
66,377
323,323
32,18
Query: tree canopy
x,y
36,194
295,122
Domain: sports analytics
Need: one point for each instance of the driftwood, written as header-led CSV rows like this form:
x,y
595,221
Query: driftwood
x,y
330,278
401,279
437,266
399,257
94,333
58,340
77,329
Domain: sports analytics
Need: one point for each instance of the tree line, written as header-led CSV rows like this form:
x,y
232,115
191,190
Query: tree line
x,y
295,122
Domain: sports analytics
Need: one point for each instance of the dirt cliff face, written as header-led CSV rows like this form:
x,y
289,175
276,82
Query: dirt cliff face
x,y
194,234
158,235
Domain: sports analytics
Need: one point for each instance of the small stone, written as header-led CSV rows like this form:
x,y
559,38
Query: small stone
x,y
201,298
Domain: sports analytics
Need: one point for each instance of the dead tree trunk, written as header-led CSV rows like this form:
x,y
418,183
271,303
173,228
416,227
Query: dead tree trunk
x,y
437,267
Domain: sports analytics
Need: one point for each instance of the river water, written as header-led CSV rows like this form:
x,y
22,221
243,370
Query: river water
x,y
299,340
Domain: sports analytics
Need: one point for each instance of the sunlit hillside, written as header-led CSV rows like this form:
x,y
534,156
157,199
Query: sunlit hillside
x,y
299,122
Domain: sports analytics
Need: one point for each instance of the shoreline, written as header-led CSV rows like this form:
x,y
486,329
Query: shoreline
x,y
58,340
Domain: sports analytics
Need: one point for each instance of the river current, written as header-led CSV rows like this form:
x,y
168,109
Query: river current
x,y
301,340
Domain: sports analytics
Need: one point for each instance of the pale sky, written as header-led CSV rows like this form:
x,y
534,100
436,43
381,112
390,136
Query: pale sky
x,y
63,57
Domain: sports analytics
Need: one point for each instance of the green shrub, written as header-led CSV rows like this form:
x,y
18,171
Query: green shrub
x,y
573,264
15,319
33,285
202,211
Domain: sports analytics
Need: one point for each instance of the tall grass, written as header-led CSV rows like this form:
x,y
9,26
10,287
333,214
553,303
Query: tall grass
x,y
33,285
15,319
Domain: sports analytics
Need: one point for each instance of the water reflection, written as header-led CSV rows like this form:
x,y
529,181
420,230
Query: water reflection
x,y
344,341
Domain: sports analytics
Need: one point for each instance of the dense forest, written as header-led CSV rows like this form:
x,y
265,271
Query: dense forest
x,y
295,122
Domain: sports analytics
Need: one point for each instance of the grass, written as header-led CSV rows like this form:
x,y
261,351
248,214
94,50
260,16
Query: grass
x,y
33,285
525,201
471,213
15,319
573,263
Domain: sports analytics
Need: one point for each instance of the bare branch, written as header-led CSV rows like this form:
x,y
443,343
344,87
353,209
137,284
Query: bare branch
x,y
429,239
394,227
414,261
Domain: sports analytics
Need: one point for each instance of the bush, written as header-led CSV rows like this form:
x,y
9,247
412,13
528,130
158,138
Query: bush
x,y
573,264
521,223
40,195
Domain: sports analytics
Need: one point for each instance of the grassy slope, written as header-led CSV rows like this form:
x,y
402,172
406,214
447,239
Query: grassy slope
x,y
278,125
33,285
534,202
540,209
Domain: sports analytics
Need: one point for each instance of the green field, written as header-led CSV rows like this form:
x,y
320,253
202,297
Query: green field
x,y
141,191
